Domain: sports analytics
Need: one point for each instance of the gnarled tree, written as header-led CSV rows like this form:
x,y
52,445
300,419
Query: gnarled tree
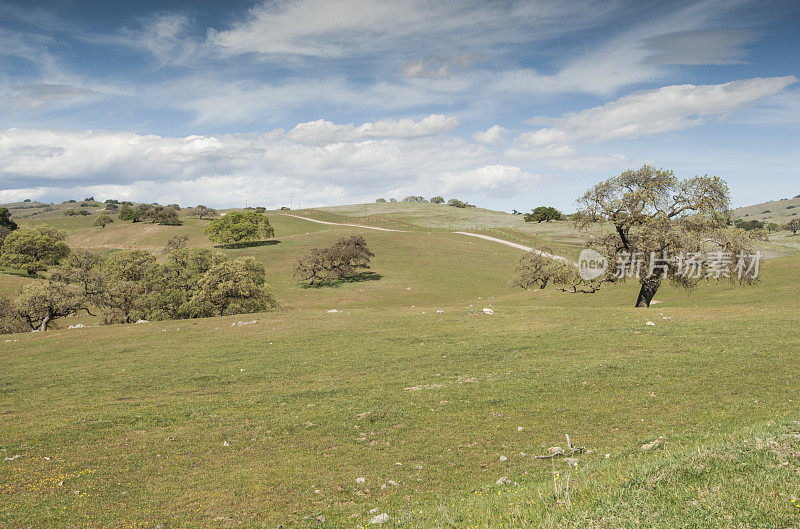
x,y
661,225
341,261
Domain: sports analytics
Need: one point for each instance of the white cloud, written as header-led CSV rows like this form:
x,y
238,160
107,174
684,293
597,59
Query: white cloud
x,y
505,178
651,112
493,134
226,170
322,131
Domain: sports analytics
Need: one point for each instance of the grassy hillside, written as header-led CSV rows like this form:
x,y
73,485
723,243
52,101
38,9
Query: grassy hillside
x,y
777,211
211,423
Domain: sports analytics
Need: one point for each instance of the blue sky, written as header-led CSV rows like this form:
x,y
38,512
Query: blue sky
x,y
504,104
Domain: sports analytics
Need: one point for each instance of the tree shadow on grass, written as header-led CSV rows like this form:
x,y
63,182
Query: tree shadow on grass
x,y
251,244
359,278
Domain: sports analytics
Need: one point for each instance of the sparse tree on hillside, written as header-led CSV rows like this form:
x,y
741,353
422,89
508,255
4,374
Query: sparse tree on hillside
x,y
392,200
381,201
437,200
103,220
543,213
240,227
111,207
341,261
793,226
772,227
84,212
202,211
34,249
414,198
456,203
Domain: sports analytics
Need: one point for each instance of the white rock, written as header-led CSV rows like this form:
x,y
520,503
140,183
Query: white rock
x,y
488,311
439,311
142,321
361,480
381,518
373,511
392,483
520,428
332,311
503,459
502,481
649,323
383,487
225,443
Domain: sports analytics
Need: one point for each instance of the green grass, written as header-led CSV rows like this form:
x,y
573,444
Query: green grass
x,y
134,419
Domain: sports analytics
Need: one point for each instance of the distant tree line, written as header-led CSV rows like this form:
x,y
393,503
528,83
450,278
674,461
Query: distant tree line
x,y
434,200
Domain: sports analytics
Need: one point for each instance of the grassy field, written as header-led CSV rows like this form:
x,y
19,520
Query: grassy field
x,y
211,423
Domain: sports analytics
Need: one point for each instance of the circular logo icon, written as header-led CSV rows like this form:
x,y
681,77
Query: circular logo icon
x,y
591,264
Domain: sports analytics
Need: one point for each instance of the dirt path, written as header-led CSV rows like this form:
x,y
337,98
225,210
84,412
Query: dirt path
x,y
514,245
341,224
478,235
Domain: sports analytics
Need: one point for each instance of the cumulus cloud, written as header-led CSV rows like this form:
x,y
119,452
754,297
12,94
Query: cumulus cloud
x,y
651,112
226,170
322,131
493,134
505,178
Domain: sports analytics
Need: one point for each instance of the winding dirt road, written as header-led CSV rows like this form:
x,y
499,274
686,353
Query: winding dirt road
x,y
478,235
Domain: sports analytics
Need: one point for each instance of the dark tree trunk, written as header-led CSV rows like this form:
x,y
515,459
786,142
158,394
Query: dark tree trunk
x,y
647,292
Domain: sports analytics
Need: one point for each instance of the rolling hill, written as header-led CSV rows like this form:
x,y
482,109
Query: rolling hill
x,y
272,419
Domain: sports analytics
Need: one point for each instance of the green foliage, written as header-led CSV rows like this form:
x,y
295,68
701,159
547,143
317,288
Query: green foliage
x,y
380,201
543,213
240,227
456,203
793,226
103,220
233,287
414,198
437,200
34,249
343,260
130,285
